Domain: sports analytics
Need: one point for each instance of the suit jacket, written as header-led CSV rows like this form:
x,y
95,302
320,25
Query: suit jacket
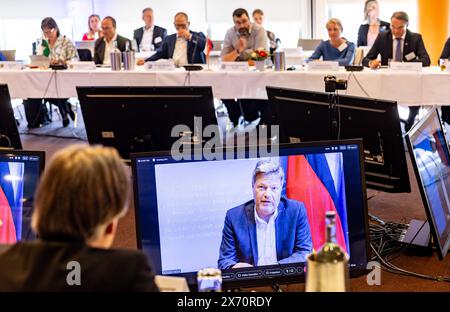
x,y
194,50
42,266
157,32
446,52
384,44
99,49
239,241
364,30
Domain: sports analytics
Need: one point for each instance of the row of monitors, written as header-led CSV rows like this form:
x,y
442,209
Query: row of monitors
x,y
302,116
181,205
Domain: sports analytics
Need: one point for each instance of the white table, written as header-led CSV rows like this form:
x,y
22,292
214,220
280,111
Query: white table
x,y
431,87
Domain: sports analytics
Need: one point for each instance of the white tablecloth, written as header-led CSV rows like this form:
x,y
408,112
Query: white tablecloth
x,y
431,87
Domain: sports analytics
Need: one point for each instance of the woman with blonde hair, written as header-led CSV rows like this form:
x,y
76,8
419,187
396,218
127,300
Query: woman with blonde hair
x,y
368,32
337,48
80,199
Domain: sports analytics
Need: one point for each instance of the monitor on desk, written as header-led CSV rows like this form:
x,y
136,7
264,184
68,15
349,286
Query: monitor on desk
x,y
305,116
187,211
429,151
9,134
141,119
19,176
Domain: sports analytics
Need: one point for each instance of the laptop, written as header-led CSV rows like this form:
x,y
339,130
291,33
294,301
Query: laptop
x,y
39,61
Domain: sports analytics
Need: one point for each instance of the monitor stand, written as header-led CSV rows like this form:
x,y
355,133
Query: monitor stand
x,y
418,237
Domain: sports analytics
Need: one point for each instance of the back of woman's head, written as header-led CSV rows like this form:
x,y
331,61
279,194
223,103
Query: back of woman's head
x,y
82,188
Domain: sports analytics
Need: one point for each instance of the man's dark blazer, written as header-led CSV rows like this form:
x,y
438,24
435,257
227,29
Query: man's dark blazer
x,y
43,266
99,49
157,32
446,52
384,44
194,50
364,30
239,241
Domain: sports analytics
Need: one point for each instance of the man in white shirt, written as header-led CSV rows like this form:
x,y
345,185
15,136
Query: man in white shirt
x,y
110,41
184,47
151,36
267,230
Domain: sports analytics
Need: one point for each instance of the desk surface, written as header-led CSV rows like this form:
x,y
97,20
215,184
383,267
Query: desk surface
x,y
429,87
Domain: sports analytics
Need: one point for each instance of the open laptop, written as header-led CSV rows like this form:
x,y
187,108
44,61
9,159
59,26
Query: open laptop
x,y
39,61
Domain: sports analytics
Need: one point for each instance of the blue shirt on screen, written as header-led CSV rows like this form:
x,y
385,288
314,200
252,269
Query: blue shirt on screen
x,y
330,53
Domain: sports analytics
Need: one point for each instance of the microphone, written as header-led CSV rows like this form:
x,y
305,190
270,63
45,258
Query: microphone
x,y
195,48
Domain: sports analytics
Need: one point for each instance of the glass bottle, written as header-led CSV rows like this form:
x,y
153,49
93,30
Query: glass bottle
x,y
331,252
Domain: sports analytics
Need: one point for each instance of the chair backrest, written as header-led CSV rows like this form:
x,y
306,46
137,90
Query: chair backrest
x,y
359,55
9,54
85,55
309,44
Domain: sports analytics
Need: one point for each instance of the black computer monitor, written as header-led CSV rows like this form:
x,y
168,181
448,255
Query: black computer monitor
x,y
9,135
19,176
140,119
305,116
181,209
430,157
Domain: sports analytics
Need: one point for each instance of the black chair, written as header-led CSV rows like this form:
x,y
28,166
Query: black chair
x,y
85,55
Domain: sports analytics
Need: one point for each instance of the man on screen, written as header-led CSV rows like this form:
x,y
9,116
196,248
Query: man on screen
x,y
267,230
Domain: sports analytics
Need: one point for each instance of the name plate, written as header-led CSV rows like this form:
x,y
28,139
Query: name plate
x,y
81,65
167,65
406,66
234,66
323,66
11,66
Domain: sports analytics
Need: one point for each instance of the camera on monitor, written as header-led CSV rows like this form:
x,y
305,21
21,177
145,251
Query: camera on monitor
x,y
332,84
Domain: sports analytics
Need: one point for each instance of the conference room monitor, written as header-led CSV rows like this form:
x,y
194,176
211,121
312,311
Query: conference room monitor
x,y
196,214
19,177
430,157
9,135
305,116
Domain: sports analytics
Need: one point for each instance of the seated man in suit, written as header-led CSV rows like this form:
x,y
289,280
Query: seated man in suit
x,y
79,201
400,45
239,43
267,230
110,40
149,37
184,47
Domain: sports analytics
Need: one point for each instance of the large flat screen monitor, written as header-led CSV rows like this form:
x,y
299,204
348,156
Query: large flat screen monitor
x,y
142,119
305,116
19,176
9,135
430,157
195,214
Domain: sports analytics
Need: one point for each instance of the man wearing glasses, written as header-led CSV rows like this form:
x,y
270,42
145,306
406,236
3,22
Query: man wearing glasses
x,y
184,47
399,45
110,41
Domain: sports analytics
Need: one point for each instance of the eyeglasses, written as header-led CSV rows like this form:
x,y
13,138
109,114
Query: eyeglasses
x,y
48,31
181,25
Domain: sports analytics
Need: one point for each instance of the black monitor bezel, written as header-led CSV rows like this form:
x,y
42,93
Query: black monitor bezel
x,y
354,272
442,250
7,113
165,91
404,185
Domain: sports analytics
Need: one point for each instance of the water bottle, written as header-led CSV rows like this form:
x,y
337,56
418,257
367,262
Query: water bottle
x,y
280,60
128,58
209,280
116,58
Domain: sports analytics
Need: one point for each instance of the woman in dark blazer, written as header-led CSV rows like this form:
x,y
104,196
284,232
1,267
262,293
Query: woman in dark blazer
x,y
369,31
80,199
